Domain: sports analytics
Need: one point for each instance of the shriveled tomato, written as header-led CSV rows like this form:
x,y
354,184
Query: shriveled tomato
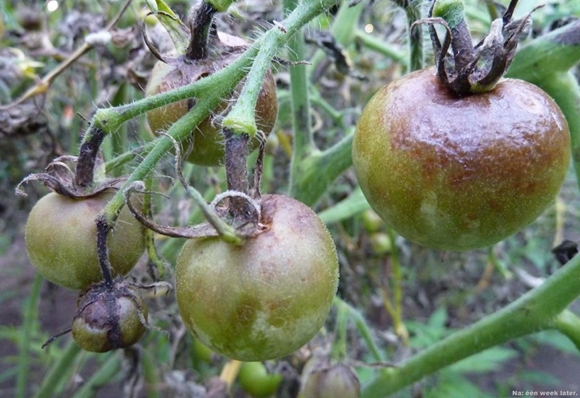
x,y
266,298
459,173
109,319
61,240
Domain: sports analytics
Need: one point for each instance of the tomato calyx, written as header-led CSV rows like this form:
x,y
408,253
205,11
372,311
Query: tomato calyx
x,y
58,177
472,69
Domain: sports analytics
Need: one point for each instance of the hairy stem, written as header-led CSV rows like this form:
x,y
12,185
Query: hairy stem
x,y
237,172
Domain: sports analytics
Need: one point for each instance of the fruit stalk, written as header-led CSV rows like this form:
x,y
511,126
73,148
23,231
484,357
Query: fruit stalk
x,y
533,312
200,22
237,172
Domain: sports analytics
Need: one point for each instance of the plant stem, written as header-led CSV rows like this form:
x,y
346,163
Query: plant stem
x,y
362,327
546,62
397,313
242,117
354,204
377,45
54,378
237,172
413,12
301,119
199,25
533,312
314,173
568,324
28,324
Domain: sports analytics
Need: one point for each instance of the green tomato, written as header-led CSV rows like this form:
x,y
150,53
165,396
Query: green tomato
x,y
460,173
255,380
266,298
61,240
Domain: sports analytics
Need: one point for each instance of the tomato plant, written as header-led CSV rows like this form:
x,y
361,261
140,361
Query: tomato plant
x,y
268,297
452,157
458,173
61,240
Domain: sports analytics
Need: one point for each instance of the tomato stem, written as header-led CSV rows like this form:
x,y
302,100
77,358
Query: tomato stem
x,y
531,313
200,21
237,172
103,229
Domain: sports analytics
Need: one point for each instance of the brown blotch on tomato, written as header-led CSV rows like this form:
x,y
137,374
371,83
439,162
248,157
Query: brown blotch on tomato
x,y
458,173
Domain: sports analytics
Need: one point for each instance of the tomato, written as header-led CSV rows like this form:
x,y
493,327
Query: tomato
x,y
255,380
108,320
266,298
61,240
459,173
208,148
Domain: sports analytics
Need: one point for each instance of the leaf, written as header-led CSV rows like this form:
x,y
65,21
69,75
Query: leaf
x,y
540,378
177,30
487,361
452,385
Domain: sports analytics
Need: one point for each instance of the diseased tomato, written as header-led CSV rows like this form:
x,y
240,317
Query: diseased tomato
x,y
109,319
459,173
266,298
208,145
61,240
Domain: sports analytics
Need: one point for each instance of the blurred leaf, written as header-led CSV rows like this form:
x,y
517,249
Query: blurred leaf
x,y
540,378
424,335
486,361
556,340
453,385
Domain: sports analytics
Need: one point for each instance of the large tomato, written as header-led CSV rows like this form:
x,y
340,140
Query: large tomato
x,y
267,298
61,240
458,173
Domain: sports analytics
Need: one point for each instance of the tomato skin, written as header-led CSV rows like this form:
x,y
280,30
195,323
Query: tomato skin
x,y
460,173
267,298
61,240
208,145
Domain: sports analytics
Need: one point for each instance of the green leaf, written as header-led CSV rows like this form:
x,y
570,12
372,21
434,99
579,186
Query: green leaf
x,y
177,30
486,361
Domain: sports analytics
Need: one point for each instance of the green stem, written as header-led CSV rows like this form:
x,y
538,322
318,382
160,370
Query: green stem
x,y
314,173
413,12
242,118
568,324
354,204
107,370
221,84
533,312
546,62
377,45
339,352
303,143
362,327
28,324
57,372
